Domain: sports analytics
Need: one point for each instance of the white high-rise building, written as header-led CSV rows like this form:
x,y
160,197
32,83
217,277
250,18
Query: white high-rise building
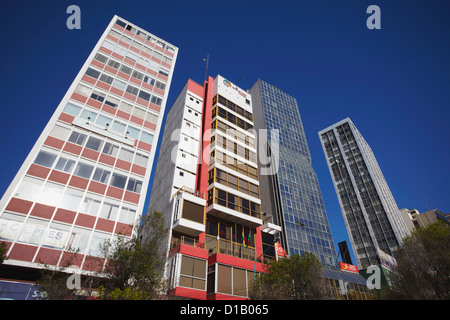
x,y
370,212
86,178
206,185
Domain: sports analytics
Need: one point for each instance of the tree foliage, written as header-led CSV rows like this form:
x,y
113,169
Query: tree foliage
x,y
133,269
293,278
423,266
3,250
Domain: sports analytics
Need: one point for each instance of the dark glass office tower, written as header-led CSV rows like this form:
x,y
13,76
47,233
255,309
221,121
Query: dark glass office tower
x,y
289,187
374,223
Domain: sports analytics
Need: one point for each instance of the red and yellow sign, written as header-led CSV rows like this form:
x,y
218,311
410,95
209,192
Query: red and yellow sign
x,y
348,267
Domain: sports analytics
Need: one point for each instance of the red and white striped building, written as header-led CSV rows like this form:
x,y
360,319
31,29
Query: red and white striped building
x,y
86,178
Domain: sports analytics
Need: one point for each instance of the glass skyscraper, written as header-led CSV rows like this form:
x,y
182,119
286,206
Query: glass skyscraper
x,y
291,194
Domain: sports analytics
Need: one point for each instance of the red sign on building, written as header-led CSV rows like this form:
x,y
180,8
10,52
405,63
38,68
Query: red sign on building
x,y
280,251
348,267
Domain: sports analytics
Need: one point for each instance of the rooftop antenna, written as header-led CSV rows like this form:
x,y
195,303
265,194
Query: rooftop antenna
x,y
239,80
206,67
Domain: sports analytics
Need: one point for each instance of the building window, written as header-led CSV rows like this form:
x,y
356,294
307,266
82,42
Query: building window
x,y
132,90
110,149
93,143
144,95
146,137
193,273
119,84
126,155
156,100
113,102
101,58
160,85
109,211
113,64
134,185
127,216
45,159
93,73
83,170
72,109
96,95
149,80
65,165
83,90
107,79
77,138
125,69
101,175
138,75
141,160
118,181
121,23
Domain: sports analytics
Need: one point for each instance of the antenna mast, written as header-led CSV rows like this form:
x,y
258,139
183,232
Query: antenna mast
x,y
206,67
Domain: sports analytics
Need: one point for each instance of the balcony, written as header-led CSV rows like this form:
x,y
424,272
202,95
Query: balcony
x,y
230,207
230,248
188,214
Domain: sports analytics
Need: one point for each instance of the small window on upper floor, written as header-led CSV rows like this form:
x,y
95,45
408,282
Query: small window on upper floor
x,y
83,90
101,58
121,23
93,73
130,28
115,34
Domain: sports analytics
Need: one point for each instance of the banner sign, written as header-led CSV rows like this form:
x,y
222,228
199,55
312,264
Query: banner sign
x,y
348,267
279,249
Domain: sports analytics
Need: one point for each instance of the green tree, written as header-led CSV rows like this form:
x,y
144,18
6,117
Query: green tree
x,y
293,278
133,269
3,250
423,266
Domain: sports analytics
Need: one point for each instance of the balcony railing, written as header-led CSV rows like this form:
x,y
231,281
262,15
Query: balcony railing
x,y
190,191
175,241
229,248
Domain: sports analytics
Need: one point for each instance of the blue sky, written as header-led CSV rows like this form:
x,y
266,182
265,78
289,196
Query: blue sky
x,y
394,83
